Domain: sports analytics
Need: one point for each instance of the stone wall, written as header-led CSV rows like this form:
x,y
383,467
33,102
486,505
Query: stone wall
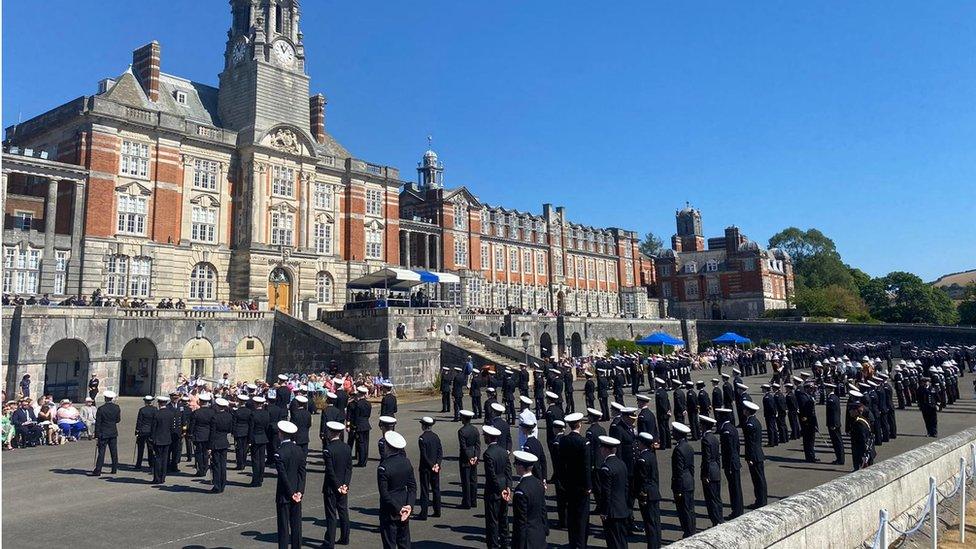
x,y
841,332
843,512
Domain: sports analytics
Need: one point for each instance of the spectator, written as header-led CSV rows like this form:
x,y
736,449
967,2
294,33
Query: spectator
x,y
93,384
25,424
69,420
47,421
7,431
88,416
25,386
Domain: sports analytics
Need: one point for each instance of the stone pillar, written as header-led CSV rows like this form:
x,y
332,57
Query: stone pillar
x,y
407,262
436,262
48,264
74,279
424,250
258,212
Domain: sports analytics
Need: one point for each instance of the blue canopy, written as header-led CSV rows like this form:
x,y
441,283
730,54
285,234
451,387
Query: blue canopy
x,y
660,338
731,337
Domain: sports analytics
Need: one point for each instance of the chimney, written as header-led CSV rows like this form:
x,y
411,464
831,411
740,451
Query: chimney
x,y
316,112
145,65
733,238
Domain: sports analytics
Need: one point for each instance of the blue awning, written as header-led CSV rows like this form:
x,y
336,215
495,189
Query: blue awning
x,y
661,338
434,277
733,338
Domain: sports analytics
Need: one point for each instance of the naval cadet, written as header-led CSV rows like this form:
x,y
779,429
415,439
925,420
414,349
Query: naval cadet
x,y
711,470
770,410
574,460
458,380
258,427
144,425
589,390
242,433
529,429
335,489
362,427
529,523
446,382
755,459
553,412
647,489
388,405
431,455
107,419
614,484
469,451
497,489
593,433
691,401
331,413
162,434
603,391
807,412
570,402
683,478
474,391
290,465
834,424
663,405
302,419
500,423
221,427
729,440
398,490
200,421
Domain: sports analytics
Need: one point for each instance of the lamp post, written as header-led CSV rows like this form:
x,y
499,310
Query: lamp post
x,y
525,345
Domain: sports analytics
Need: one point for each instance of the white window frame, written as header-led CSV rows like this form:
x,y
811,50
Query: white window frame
x,y
203,282
133,211
205,174
485,256
322,233
21,269
461,253
282,229
499,259
374,202
374,243
140,276
324,288
540,263
460,217
322,197
283,181
24,220
513,260
134,159
203,224
527,261
61,258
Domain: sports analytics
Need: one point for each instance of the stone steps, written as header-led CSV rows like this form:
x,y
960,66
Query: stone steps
x,y
478,349
333,331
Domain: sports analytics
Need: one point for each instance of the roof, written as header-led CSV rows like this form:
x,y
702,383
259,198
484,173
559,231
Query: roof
x,y
201,99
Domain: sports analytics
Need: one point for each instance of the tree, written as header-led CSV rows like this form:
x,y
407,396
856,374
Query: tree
x,y
802,245
904,297
967,308
832,301
651,245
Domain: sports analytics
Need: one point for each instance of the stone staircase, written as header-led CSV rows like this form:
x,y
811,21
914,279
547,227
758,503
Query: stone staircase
x,y
333,331
479,350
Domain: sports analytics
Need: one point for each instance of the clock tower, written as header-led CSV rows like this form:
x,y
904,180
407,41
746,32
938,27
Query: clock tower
x,y
263,83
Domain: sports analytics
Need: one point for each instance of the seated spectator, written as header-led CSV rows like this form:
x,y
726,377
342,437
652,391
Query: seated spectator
x,y
69,420
47,421
7,431
88,416
25,424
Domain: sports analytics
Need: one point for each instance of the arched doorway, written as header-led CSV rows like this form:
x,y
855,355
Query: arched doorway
x,y
137,374
545,345
198,358
279,291
66,370
250,359
576,345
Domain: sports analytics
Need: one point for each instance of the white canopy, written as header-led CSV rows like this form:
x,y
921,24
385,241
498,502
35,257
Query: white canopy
x,y
389,277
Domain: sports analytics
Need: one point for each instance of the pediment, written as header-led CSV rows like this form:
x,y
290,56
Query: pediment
x,y
290,140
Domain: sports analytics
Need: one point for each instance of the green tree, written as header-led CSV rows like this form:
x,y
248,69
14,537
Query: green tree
x,y
832,301
802,245
904,297
651,245
967,308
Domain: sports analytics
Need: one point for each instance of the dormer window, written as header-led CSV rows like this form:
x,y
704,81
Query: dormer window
x,y
180,97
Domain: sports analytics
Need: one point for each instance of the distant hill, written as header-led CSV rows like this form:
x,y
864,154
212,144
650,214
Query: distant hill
x,y
955,283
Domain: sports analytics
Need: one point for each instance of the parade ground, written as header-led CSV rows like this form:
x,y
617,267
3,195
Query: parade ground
x,y
48,501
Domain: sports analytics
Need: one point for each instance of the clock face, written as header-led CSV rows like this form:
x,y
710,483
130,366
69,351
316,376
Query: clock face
x,y
239,52
284,53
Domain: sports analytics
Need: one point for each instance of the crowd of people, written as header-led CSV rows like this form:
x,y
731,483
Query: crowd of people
x,y
99,299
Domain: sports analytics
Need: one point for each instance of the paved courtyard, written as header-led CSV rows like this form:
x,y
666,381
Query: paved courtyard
x,y
49,502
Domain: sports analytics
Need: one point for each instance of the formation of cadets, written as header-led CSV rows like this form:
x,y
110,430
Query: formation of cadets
x,y
592,469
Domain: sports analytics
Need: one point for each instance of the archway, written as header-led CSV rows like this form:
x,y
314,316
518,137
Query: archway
x,y
198,358
576,345
545,345
66,370
137,372
250,359
279,291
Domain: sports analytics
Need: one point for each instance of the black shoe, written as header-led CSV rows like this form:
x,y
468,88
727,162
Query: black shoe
x,y
115,471
94,474
436,515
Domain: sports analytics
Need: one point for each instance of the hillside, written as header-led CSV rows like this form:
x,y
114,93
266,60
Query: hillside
x,y
955,283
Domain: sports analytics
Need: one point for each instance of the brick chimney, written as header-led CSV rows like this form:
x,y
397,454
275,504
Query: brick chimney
x,y
145,65
733,238
316,112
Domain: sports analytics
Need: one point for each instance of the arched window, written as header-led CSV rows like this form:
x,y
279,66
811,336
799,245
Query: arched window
x,y
203,282
324,287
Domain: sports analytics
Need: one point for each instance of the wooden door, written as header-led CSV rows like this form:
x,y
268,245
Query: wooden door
x,y
279,297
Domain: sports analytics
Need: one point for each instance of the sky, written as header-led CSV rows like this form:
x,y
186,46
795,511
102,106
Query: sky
x,y
856,118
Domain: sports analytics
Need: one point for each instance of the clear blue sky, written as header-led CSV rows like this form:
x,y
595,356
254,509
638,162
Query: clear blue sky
x,y
858,118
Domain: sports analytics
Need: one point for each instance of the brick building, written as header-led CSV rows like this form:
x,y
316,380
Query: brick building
x,y
157,186
734,278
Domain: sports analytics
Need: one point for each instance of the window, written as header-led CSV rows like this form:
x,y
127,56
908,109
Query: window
x,y
282,229
116,275
204,226
499,229
203,282
485,256
711,266
513,259
540,263
324,288
374,242
21,273
590,274
499,259
322,232
666,290
580,269
135,159
714,289
527,261
140,273
665,270
691,267
374,202
181,97
461,253
23,220
60,270
460,216
132,213
205,174
484,222
601,271
628,251
557,262
540,234
323,196
629,275
283,181
691,289
474,293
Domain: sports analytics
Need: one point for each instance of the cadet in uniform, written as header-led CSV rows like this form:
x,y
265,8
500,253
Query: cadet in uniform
x,y
711,470
335,489
602,392
258,429
729,441
431,455
529,524
221,426
833,424
553,413
683,478
398,490
144,424
663,405
290,464
612,504
388,405
162,434
574,460
770,409
200,422
107,419
302,419
362,427
647,489
755,459
242,431
807,411
386,424
331,412
474,391
498,478
589,390
469,450
446,390
457,391
570,404
532,445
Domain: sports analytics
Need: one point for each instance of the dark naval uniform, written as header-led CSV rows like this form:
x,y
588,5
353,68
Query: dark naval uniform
x,y
752,432
338,473
648,491
107,419
221,426
290,464
614,483
834,426
258,428
200,422
242,432
731,465
398,488
498,477
683,484
144,423
162,435
431,454
711,476
469,447
529,525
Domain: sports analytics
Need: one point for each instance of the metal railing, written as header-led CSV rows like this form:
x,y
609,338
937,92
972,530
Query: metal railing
x,y
930,513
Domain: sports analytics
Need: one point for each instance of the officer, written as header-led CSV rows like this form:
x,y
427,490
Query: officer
x,y
729,440
388,405
457,391
683,478
398,490
144,424
107,419
807,411
691,401
184,438
593,433
539,392
781,415
497,489
833,423
570,404
490,398
602,391
335,489
242,430
711,470
553,412
718,401
647,489
589,390
474,391
529,522
862,445
646,422
431,455
200,421
793,411
469,451
162,434
329,413
663,405
559,428
220,428
704,403
522,379
446,380
278,411
302,419
574,461
928,404
619,380
258,438
769,412
528,428
290,465
362,427
614,484
728,393
500,423
755,459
